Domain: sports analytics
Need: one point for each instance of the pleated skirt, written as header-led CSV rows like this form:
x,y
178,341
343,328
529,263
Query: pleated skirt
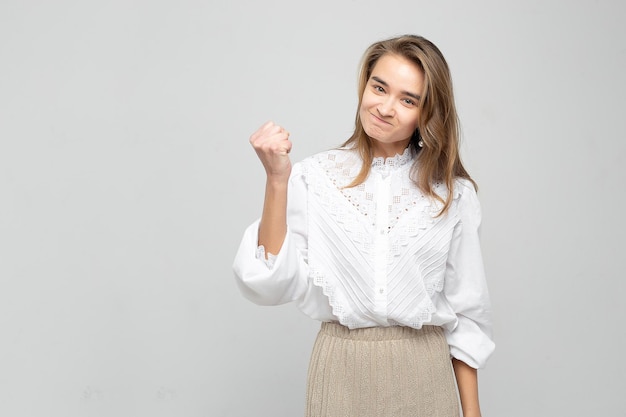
x,y
381,372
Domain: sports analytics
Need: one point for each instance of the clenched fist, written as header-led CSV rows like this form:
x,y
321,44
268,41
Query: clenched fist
x,y
272,145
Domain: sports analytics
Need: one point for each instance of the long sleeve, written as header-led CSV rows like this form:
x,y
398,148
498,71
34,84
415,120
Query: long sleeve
x,y
465,287
375,254
287,279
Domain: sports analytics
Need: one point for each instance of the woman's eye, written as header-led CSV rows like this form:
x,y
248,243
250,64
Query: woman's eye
x,y
379,89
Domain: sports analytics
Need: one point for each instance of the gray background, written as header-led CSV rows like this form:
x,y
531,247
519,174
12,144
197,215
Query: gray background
x,y
126,180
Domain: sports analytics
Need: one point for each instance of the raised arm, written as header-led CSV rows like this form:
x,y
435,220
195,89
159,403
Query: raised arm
x,y
272,145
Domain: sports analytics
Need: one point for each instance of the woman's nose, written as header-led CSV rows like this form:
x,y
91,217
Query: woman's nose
x,y
385,108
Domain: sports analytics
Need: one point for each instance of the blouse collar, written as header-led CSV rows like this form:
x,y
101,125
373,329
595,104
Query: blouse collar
x,y
383,164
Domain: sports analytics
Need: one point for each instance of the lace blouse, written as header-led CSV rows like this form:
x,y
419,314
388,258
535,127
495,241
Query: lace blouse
x,y
375,254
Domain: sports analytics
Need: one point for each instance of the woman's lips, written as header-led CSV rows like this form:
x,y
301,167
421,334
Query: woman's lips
x,y
379,120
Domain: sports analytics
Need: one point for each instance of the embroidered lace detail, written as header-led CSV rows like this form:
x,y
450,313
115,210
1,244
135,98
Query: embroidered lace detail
x,y
271,258
412,217
330,291
383,164
407,207
342,166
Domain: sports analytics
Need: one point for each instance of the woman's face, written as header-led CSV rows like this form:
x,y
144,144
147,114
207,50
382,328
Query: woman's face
x,y
390,106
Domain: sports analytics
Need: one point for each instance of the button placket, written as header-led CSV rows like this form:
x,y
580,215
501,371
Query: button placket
x,y
381,243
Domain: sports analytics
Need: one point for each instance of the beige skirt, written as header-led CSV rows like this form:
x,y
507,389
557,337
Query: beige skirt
x,y
381,372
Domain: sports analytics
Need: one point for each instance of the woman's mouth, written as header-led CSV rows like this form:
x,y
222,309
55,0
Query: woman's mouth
x,y
379,120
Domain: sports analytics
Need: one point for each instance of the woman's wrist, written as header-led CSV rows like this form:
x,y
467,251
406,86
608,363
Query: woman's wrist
x,y
277,182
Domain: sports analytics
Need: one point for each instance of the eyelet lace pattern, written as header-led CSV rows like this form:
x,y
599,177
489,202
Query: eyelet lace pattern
x,y
342,236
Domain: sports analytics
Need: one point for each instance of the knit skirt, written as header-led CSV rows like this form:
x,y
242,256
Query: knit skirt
x,y
381,372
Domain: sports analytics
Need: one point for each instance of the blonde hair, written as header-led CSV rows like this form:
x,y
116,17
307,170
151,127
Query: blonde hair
x,y
438,161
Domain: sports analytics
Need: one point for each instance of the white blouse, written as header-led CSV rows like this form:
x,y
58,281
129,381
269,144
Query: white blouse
x,y
375,254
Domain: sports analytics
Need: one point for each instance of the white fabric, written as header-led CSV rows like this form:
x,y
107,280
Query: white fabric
x,y
375,254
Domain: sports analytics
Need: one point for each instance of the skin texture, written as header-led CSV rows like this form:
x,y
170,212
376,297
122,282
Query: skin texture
x,y
389,113
272,145
390,109
467,381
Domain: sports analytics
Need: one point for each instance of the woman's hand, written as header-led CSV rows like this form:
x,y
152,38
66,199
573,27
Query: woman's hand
x,y
272,145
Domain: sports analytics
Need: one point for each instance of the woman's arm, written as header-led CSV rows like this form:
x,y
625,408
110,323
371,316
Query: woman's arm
x,y
285,277
273,226
272,145
465,287
467,382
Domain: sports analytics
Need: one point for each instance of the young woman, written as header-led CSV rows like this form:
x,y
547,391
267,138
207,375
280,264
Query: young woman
x,y
378,240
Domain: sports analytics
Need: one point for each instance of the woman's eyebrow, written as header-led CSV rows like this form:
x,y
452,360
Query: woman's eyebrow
x,y
408,93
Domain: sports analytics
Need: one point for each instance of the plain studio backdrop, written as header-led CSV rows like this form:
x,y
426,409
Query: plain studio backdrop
x,y
126,181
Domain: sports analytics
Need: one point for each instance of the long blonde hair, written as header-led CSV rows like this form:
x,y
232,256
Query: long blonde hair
x,y
438,161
